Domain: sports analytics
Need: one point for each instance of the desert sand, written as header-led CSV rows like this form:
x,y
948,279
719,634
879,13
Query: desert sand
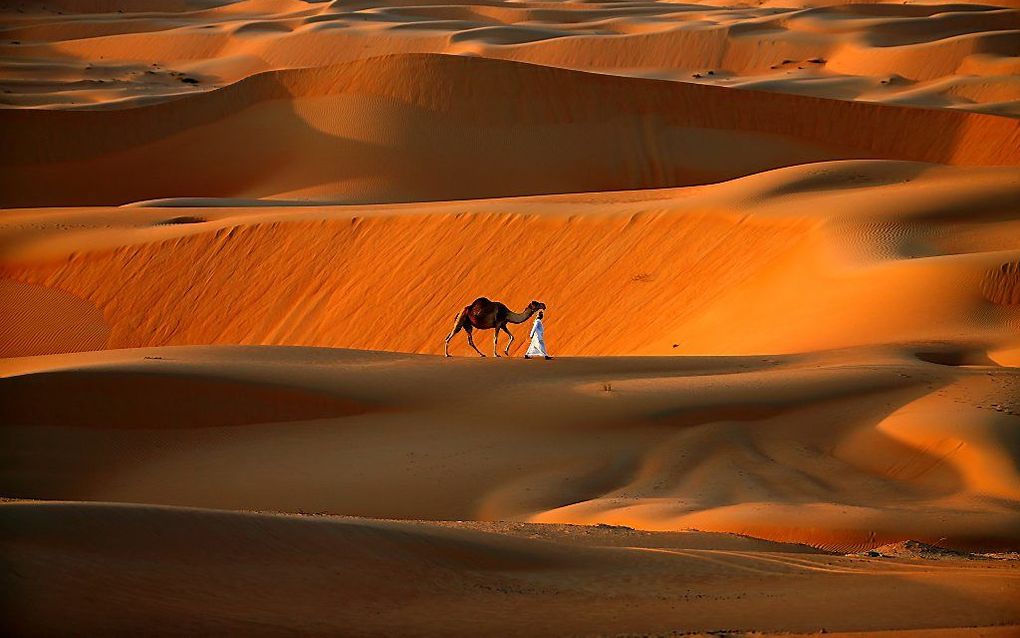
x,y
779,245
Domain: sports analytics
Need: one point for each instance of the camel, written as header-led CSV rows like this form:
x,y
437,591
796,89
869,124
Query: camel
x,y
484,314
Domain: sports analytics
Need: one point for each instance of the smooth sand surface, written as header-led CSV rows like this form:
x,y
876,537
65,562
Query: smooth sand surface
x,y
230,572
779,245
870,446
419,127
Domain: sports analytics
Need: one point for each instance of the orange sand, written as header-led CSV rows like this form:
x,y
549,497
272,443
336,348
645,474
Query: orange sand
x,y
958,55
801,259
780,249
429,127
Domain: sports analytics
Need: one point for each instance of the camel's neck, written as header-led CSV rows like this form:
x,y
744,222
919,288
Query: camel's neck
x,y
519,317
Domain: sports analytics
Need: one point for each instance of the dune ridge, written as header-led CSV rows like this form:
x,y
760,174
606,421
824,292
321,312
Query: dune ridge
x,y
945,55
616,133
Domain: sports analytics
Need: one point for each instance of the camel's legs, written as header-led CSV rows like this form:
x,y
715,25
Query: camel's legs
x,y
456,328
471,341
511,335
495,342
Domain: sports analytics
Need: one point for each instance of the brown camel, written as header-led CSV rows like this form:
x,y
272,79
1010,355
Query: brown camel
x,y
484,314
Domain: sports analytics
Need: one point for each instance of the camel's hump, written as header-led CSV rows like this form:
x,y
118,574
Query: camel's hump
x,y
479,307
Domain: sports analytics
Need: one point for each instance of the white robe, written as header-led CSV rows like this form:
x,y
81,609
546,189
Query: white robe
x,y
537,347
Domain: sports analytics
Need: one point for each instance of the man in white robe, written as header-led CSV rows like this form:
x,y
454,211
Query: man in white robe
x,y
537,347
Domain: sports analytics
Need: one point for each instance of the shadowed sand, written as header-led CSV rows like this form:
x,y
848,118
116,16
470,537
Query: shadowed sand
x,y
216,571
870,446
416,127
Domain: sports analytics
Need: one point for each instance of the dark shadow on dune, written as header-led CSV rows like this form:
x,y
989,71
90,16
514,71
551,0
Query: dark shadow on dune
x,y
183,219
199,170
956,358
120,571
119,399
115,130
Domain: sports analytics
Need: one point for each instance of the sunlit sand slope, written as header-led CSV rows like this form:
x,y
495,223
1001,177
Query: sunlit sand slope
x,y
106,54
806,258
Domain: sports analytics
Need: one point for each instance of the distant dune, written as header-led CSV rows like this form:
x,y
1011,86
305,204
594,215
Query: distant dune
x,y
959,55
429,127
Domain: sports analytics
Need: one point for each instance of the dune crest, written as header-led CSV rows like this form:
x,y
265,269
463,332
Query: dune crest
x,y
957,55
413,128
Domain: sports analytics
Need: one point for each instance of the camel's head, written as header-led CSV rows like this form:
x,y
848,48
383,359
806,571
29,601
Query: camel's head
x,y
535,306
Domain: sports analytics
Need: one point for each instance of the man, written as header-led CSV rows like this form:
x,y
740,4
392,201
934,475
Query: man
x,y
537,347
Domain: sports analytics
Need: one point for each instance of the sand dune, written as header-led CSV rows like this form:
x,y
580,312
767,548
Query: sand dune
x,y
411,128
779,248
713,443
327,575
919,253
86,54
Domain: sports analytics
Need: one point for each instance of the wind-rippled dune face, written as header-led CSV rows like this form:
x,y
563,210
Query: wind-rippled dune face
x,y
778,247
796,260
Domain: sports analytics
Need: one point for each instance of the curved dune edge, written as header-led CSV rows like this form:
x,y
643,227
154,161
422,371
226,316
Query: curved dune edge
x,y
943,55
826,255
910,449
831,527
423,127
